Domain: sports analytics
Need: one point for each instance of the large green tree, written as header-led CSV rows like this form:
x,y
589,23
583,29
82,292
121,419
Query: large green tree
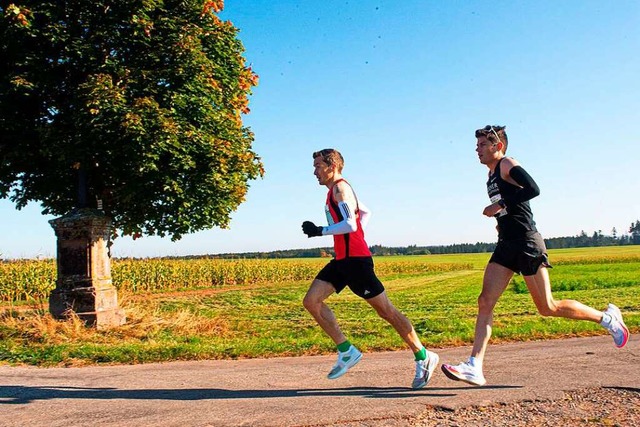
x,y
140,101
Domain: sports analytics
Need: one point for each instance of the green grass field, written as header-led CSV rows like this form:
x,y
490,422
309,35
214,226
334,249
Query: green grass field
x,y
265,318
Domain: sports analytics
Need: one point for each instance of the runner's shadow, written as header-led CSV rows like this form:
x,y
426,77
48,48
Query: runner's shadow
x,y
28,394
474,387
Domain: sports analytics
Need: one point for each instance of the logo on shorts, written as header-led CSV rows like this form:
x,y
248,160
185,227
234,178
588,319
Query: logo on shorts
x,y
366,292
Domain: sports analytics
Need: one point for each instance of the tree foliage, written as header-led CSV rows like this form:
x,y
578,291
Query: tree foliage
x,y
142,97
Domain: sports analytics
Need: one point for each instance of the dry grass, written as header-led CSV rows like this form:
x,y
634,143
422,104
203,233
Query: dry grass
x,y
145,320
145,317
39,326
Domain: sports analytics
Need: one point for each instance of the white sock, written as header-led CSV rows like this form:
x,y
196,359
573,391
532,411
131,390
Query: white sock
x,y
606,320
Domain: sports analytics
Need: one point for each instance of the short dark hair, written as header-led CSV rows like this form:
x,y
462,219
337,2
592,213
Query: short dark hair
x,y
330,157
494,134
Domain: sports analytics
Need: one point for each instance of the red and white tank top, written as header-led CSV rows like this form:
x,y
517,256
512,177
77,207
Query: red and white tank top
x,y
350,244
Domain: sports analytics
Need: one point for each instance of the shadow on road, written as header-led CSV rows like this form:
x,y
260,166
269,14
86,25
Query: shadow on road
x,y
633,389
27,394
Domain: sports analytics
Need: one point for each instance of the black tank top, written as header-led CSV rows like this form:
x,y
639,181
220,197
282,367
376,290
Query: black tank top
x,y
515,221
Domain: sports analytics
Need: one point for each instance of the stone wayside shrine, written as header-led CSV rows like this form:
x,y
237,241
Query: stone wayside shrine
x,y
84,283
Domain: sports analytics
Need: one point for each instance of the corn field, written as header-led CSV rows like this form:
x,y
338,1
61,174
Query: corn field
x,y
33,280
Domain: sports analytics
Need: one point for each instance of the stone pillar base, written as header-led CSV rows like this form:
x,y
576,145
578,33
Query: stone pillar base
x,y
95,307
84,285
102,320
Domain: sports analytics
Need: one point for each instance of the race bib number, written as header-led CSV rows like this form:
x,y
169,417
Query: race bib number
x,y
494,199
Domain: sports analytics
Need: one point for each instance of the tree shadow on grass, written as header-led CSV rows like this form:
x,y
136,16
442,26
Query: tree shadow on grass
x,y
27,394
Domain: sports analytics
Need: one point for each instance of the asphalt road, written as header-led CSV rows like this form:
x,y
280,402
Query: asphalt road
x,y
296,392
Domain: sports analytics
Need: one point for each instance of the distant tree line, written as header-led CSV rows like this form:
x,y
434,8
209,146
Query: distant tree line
x,y
457,248
285,253
597,239
581,240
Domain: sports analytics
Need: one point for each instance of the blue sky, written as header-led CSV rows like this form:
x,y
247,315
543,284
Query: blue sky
x,y
399,88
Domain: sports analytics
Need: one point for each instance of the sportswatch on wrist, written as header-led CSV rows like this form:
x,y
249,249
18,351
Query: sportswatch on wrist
x,y
502,204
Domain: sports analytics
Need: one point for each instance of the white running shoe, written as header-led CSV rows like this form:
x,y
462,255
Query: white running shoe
x,y
616,327
464,372
424,370
345,361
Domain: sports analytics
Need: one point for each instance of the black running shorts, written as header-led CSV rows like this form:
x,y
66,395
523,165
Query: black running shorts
x,y
523,256
356,272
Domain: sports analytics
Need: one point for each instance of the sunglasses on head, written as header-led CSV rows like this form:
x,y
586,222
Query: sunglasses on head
x,y
485,130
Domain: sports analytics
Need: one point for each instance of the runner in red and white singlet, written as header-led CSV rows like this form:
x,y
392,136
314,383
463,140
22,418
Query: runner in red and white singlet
x,y
353,267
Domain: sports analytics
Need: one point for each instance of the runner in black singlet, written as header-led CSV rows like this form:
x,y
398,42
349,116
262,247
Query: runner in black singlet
x,y
353,267
520,249
519,220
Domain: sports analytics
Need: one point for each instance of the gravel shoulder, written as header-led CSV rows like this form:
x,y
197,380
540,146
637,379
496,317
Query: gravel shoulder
x,y
579,408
